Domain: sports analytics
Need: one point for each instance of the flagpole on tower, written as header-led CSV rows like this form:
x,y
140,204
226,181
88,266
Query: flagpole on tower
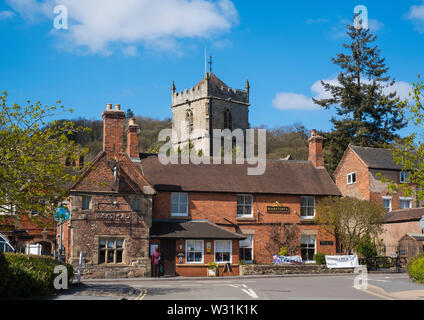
x,y
205,61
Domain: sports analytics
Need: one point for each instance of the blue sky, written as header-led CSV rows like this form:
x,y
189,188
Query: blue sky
x,y
130,51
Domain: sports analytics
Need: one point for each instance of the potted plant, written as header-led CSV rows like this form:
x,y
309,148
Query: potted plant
x,y
213,269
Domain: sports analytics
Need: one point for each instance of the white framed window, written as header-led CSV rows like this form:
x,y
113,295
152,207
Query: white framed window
x,y
404,177
405,203
179,204
244,205
307,207
223,251
308,247
194,251
246,249
86,202
351,178
387,203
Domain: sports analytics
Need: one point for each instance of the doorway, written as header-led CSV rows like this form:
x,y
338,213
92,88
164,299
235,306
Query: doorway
x,y
168,247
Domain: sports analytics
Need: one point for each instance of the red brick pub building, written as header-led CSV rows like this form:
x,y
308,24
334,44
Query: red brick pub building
x,y
127,203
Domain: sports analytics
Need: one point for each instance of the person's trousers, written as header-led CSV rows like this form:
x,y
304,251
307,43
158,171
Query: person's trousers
x,y
156,270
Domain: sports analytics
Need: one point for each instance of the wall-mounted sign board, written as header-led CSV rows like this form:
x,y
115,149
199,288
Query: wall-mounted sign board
x,y
277,208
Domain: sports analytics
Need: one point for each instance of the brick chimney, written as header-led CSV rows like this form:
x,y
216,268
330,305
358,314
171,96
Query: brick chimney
x,y
113,128
315,149
133,132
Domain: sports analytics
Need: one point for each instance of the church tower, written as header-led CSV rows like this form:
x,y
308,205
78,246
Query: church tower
x,y
209,105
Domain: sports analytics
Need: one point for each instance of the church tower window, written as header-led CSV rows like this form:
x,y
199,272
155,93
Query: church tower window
x,y
189,119
228,120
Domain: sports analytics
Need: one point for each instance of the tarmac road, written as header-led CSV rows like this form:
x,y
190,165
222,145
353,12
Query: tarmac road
x,y
321,287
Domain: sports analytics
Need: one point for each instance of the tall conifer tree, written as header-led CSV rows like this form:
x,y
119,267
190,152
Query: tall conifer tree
x,y
364,99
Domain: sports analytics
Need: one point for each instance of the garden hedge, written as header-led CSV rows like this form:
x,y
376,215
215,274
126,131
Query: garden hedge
x,y
28,276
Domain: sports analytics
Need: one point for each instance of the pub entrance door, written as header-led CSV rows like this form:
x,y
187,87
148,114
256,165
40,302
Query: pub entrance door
x,y
168,247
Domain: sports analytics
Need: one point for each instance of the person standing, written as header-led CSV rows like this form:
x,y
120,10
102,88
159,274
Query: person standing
x,y
156,261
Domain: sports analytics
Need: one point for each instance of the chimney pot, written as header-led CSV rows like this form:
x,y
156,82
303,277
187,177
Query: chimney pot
x,y
117,107
316,154
109,106
133,131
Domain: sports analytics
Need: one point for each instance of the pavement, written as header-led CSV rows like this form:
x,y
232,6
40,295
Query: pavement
x,y
393,286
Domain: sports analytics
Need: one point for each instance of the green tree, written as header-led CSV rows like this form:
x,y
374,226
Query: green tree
x,y
363,99
409,152
367,247
350,220
33,153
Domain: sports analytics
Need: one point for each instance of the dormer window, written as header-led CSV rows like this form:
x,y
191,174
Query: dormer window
x,y
351,178
404,177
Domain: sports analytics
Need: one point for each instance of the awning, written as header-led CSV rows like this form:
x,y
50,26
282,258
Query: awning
x,y
191,229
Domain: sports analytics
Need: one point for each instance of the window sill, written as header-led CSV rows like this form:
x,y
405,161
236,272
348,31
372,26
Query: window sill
x,y
179,217
307,218
246,218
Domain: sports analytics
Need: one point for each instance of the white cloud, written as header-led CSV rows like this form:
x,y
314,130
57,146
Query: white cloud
x,y
296,101
6,14
293,101
416,15
99,24
375,25
130,51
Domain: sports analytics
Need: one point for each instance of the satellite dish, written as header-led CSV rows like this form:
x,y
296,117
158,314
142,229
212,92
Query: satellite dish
x,y
422,223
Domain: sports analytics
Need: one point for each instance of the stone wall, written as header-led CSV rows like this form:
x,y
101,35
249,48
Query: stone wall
x,y
141,268
260,269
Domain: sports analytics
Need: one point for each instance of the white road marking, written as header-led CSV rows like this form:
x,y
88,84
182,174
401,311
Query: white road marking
x,y
250,292
247,291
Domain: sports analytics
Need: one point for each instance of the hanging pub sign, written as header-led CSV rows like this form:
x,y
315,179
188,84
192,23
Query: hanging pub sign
x,y
277,208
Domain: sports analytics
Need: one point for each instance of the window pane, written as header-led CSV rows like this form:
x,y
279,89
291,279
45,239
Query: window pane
x,y
218,256
226,256
102,256
183,198
190,257
118,256
102,243
119,243
174,197
110,255
174,208
247,242
111,244
198,256
198,246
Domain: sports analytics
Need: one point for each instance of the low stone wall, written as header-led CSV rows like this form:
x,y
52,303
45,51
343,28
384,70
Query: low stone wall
x,y
261,269
137,269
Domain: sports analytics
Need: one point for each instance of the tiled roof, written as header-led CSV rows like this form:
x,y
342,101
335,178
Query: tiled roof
x,y
413,214
376,158
192,229
280,177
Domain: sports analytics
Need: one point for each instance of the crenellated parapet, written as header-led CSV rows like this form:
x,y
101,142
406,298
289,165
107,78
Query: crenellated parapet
x,y
209,86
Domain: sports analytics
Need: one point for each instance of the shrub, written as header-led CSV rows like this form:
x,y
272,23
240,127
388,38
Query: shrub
x,y
213,265
31,276
367,248
4,268
283,251
412,260
319,258
416,271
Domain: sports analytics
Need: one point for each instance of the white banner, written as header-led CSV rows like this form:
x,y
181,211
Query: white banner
x,y
342,261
